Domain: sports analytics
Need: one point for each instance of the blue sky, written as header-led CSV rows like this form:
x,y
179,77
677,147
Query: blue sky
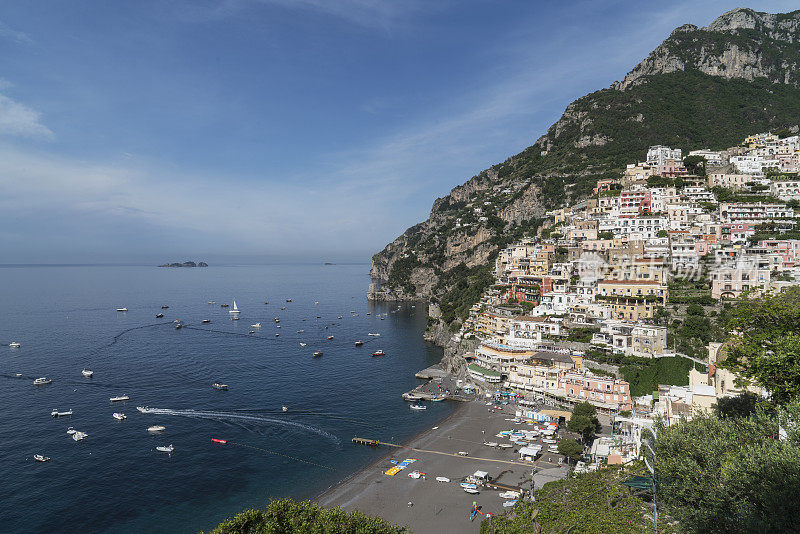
x,y
291,129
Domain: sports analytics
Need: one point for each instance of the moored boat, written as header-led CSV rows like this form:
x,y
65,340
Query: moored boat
x,y
205,321
56,413
156,428
222,387
256,325
41,458
318,354
418,407
330,337
379,353
70,430
119,398
42,381
169,448
235,309
159,315
371,334
164,307
78,436
359,343
15,344
217,440
119,416
87,373
122,309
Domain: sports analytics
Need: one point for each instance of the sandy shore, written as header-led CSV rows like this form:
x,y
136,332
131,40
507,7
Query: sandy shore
x,y
437,507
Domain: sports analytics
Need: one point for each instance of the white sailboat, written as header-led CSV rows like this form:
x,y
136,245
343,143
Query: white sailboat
x,y
235,310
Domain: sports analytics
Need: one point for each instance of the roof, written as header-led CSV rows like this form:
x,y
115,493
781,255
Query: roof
x,y
480,474
700,389
531,319
482,370
554,356
530,450
630,282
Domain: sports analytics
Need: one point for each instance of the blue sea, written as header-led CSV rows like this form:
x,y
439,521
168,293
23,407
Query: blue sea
x,y
115,480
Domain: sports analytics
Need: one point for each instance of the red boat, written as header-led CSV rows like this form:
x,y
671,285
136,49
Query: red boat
x,y
379,353
217,440
359,343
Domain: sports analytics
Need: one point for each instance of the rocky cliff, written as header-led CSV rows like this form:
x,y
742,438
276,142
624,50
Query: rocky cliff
x,y
701,88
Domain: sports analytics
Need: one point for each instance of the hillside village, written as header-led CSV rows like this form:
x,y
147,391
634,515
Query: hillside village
x,y
640,271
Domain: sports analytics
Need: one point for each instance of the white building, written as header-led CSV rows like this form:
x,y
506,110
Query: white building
x,y
662,155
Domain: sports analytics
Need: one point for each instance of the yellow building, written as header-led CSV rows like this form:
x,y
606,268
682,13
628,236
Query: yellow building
x,y
631,299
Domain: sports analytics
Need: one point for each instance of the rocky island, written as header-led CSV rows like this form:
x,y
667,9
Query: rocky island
x,y
185,264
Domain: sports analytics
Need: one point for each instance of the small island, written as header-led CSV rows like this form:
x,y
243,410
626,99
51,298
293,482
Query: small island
x,y
185,264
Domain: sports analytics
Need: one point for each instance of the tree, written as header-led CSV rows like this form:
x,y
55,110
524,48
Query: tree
x,y
584,421
695,165
570,448
663,233
766,349
739,406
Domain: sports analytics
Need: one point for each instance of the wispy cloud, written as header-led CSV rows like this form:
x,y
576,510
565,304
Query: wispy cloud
x,y
19,120
6,32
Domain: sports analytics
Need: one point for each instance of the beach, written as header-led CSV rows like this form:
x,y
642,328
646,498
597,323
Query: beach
x,y
425,505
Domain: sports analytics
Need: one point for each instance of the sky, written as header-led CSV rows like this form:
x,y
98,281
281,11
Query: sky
x,y
282,130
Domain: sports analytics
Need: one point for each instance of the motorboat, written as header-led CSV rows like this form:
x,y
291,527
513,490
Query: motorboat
x,y
119,398
277,319
41,458
359,343
143,409
442,479
122,309
164,307
234,310
283,307
411,397
252,332
217,385
509,504
318,354
472,491
178,326
288,300
276,335
159,315
169,448
284,408
56,413
212,302
217,440
224,305
15,344
340,317
371,334
70,430
509,495
437,399
87,373
302,344
235,318
490,444
119,416
78,436
18,375
379,353
266,302
415,475
257,325
462,453
330,337
42,381
300,331
156,428
418,407
468,485
205,321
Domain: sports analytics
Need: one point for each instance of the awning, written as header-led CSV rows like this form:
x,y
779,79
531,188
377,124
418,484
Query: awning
x,y
639,482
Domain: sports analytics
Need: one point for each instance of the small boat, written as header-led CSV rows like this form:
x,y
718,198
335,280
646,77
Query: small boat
x,y
468,485
119,416
257,325
252,332
70,430
509,504
143,409
490,443
285,408
87,373
504,445
18,375
276,335
371,334
119,398
302,344
223,305
411,397
170,448
473,491
41,458
509,495
122,309
442,479
359,343
205,321
288,300
164,307
316,302
418,407
437,399
159,315
235,318
415,475
277,319
340,317
217,385
330,337
217,440
156,428
462,453
15,344
283,307
300,331
56,413
78,436
266,302
42,381
178,326
212,302
234,310
379,353
318,354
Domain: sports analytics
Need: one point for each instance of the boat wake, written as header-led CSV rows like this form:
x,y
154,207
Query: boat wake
x,y
227,417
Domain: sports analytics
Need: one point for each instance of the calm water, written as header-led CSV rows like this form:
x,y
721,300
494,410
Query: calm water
x,y
114,480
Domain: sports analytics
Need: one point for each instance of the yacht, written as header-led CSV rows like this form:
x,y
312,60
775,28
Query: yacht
x,y
15,344
41,458
257,325
56,413
170,448
119,398
119,416
87,373
122,309
217,385
42,381
156,428
78,436
235,309
379,353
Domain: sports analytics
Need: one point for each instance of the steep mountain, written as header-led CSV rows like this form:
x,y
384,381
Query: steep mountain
x,y
701,88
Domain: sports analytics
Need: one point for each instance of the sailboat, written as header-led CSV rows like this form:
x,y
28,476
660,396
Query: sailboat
x,y
235,310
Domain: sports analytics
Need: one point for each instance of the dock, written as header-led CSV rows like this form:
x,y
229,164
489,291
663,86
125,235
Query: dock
x,y
366,441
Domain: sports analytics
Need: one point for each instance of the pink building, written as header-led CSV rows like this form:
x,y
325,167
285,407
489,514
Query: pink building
x,y
635,202
788,249
605,392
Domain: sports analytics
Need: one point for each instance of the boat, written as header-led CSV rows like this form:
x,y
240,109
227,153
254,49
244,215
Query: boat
x,y
170,448
178,326
359,343
473,491
18,375
437,399
329,338
15,344
411,397
78,436
164,307
159,315
212,302
468,485
70,430
56,413
42,381
285,408
371,334
143,409
442,479
415,475
509,495
217,385
509,504
217,440
119,398
41,458
252,332
379,353
119,416
288,300
235,318
257,325
418,407
223,305
462,453
302,344
205,321
300,331
122,309
156,428
283,307
87,373
504,445
490,443
276,335
318,354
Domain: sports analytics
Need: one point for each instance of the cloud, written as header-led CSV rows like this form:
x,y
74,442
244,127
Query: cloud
x,y
19,120
14,35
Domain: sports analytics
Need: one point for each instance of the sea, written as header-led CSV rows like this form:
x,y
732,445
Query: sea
x,y
115,480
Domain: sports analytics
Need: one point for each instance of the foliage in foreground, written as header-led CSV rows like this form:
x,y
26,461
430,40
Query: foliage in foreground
x,y
286,516
591,503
